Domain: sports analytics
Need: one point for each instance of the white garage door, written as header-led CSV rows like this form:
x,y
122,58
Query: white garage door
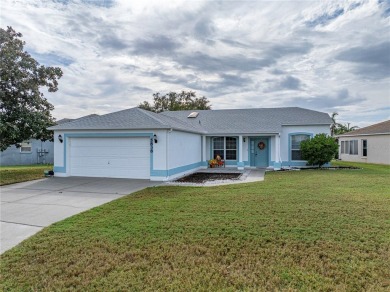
x,y
110,157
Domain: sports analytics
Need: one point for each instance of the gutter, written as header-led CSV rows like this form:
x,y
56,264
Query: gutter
x,y
311,124
356,135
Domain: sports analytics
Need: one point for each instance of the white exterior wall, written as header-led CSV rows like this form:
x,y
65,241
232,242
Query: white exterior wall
x,y
184,153
58,150
208,148
286,130
273,149
245,146
378,149
159,149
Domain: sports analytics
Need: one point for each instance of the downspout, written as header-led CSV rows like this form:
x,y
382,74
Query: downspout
x,y
279,156
167,152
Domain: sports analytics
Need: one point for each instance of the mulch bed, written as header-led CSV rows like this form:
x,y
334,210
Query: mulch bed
x,y
202,177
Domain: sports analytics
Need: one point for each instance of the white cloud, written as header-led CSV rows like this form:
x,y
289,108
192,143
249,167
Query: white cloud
x,y
115,54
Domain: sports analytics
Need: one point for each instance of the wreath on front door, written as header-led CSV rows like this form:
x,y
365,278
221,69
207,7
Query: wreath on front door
x,y
261,145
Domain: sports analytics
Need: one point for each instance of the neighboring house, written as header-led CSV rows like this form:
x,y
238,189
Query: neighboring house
x,y
370,144
135,143
31,151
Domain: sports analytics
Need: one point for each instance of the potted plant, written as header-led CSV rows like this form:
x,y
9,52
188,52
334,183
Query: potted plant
x,y
213,163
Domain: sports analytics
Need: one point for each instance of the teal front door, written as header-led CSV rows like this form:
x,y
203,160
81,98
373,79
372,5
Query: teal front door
x,y
260,152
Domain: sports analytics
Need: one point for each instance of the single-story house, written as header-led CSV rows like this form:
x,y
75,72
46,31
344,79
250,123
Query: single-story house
x,y
370,144
31,151
136,143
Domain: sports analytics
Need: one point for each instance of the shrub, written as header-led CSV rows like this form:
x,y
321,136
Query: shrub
x,y
319,150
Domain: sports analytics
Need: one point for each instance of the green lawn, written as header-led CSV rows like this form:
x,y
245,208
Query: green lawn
x,y
15,174
300,230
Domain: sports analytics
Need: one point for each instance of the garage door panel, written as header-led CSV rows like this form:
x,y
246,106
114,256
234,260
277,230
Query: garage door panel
x,y
114,153
107,142
110,157
110,151
112,162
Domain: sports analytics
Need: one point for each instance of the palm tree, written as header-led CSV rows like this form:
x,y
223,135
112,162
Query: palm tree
x,y
345,128
334,126
337,128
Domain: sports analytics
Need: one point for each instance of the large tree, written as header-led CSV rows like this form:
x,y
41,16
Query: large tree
x,y
172,101
24,111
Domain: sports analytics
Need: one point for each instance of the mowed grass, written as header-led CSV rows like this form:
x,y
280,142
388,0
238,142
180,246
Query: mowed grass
x,y
15,174
300,230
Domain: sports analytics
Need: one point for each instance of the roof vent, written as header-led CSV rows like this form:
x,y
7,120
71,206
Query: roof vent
x,y
193,115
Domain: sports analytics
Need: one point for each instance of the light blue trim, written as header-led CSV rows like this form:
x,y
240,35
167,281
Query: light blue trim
x,y
204,163
62,169
246,163
290,142
277,165
240,164
176,170
294,164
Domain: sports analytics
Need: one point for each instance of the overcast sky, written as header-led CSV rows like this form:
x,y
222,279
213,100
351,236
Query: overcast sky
x,y
322,55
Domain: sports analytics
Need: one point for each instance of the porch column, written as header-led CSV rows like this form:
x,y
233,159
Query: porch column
x,y
204,158
278,162
240,163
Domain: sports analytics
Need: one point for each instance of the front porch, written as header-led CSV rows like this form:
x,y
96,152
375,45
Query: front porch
x,y
242,151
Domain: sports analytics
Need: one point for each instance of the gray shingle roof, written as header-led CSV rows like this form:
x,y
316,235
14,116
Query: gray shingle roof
x,y
129,119
379,128
248,121
133,118
63,121
263,120
66,120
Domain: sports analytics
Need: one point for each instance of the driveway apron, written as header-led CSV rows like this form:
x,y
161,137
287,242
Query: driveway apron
x,y
28,207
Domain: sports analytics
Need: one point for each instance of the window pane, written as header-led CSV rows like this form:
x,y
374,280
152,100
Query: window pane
x,y
342,147
364,148
218,143
231,143
231,154
25,146
296,155
296,146
296,141
346,147
355,147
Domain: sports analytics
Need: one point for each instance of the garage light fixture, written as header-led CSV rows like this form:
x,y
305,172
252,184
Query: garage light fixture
x,y
155,138
60,139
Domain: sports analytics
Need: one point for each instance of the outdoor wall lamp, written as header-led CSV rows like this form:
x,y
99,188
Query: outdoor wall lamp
x,y
244,140
155,138
60,139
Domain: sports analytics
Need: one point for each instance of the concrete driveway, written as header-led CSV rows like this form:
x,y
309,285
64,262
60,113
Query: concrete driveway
x,y
28,207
